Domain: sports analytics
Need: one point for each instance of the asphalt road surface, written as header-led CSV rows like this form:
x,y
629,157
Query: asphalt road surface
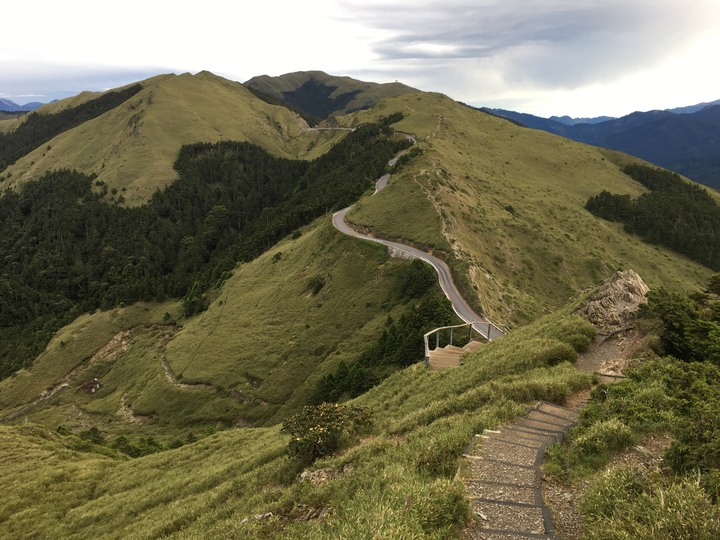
x,y
460,306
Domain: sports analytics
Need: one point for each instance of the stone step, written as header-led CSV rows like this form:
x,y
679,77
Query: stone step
x,y
557,410
539,426
501,472
479,489
476,532
509,518
516,433
541,416
508,451
502,475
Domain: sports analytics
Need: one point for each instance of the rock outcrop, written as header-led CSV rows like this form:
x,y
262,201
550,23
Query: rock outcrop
x,y
615,305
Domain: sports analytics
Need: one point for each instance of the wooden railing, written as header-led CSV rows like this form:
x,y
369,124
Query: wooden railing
x,y
471,327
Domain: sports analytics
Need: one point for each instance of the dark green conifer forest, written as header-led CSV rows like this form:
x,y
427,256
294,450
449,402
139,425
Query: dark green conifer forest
x,y
673,213
67,251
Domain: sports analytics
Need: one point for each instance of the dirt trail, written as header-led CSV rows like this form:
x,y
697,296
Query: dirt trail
x,y
610,355
172,379
126,413
607,356
117,345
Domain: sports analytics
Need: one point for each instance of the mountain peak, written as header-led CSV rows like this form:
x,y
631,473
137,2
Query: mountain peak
x,y
317,94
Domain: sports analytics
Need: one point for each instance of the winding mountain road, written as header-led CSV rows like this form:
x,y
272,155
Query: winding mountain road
x,y
460,306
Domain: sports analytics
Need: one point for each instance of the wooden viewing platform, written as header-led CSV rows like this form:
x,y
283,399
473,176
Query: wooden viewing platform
x,y
450,355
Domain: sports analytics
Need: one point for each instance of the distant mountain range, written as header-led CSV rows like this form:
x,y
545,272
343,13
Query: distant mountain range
x,y
685,139
694,108
569,121
11,106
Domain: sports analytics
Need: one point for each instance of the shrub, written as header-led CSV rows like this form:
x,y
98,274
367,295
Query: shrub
x,y
441,505
555,352
579,342
607,436
609,490
320,430
698,442
316,284
439,455
94,435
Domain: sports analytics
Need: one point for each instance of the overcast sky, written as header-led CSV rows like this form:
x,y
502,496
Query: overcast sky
x,y
545,57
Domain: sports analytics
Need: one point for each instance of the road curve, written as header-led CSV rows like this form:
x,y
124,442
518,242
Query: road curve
x,y
460,306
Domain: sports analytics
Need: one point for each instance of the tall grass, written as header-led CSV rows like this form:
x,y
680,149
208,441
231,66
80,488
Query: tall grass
x,y
625,504
678,499
253,357
395,482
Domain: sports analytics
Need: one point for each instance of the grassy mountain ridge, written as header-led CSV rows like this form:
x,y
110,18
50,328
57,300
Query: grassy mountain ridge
x,y
504,204
132,148
68,251
507,205
255,354
8,120
37,129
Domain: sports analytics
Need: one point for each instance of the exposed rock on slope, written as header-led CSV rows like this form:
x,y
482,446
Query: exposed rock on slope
x,y
615,305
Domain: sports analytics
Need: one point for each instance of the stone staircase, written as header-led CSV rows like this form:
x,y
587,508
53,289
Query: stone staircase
x,y
450,355
501,473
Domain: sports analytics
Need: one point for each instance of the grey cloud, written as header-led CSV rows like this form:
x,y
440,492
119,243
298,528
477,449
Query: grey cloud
x,y
546,43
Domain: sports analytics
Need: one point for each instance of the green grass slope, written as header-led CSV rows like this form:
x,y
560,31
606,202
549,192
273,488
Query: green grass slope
x,y
507,204
72,348
132,147
255,355
394,482
8,121
269,338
